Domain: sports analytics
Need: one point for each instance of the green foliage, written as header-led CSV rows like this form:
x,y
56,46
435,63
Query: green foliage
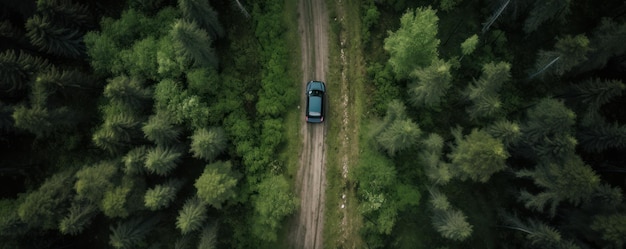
x,y
399,136
274,202
134,160
139,61
606,42
438,200
538,233
54,39
161,130
40,120
431,85
79,217
208,237
93,181
484,92
447,5
125,198
506,131
594,93
544,11
612,227
469,45
203,81
132,233
44,207
572,180
162,195
216,184
599,137
191,216
17,69
116,133
208,143
415,43
203,15
548,118
452,224
568,53
386,88
478,156
193,44
127,90
162,160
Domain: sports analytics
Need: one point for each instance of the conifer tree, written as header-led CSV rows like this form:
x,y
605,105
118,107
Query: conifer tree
x,y
216,184
162,160
538,233
431,85
65,13
469,45
162,195
132,233
452,224
93,181
478,155
134,160
54,39
569,52
79,217
612,227
208,143
202,14
571,181
601,136
548,118
594,93
17,69
127,90
436,169
607,42
399,136
208,237
508,132
191,216
44,207
193,44
484,92
161,130
544,11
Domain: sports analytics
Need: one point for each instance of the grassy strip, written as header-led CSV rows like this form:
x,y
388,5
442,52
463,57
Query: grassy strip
x,y
346,77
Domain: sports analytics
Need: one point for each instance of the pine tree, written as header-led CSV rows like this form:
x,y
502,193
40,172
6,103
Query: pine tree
x,y
132,233
548,118
66,13
478,155
216,184
79,217
469,45
438,200
431,85
117,132
538,233
570,51
202,14
16,70
544,11
508,132
127,90
162,195
54,39
125,198
612,227
452,224
207,143
160,130
162,160
208,237
44,207
571,181
594,93
191,216
399,136
134,160
193,44
484,92
415,43
607,41
93,181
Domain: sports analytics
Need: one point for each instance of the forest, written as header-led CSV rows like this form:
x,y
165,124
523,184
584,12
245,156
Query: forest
x,y
156,124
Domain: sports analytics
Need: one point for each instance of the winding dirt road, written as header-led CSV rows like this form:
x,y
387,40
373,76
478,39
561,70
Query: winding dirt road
x,y
308,227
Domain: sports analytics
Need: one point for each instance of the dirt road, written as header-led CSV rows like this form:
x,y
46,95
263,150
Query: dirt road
x,y
308,227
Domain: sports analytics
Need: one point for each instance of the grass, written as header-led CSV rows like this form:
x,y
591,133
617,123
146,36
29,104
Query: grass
x,y
347,79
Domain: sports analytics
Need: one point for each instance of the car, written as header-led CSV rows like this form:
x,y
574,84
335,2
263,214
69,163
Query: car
x,y
315,100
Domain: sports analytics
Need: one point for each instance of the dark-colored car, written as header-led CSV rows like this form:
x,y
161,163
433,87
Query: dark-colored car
x,y
315,97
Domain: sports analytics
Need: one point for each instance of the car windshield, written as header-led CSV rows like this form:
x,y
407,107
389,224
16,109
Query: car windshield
x,y
314,93
315,114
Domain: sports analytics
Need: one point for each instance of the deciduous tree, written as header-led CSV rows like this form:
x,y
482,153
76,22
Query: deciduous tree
x,y
415,43
273,203
216,184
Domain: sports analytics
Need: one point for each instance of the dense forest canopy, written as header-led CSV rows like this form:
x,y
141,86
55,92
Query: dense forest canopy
x,y
156,124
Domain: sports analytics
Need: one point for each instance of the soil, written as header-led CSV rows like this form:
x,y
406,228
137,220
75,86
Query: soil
x,y
307,228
